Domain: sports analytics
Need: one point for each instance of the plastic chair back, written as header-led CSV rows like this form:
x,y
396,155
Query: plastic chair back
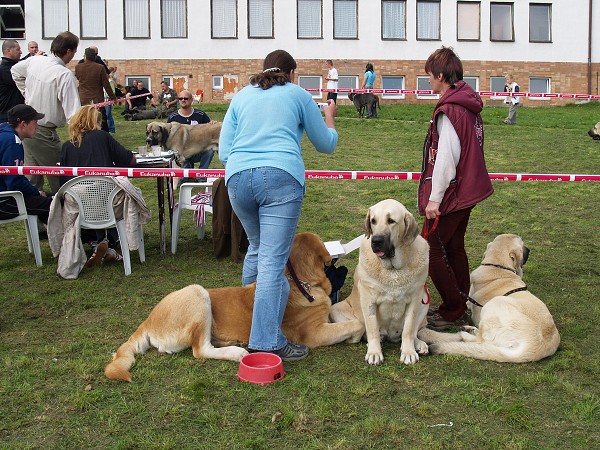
x,y
31,227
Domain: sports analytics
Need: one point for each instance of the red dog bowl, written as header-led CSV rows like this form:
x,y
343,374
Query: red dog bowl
x,y
261,368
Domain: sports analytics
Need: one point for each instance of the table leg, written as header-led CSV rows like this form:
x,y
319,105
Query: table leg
x,y
160,186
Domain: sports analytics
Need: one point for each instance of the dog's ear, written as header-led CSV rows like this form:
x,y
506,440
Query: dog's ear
x,y
368,229
411,229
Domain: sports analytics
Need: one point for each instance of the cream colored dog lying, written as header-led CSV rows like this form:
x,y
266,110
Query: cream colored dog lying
x,y
215,322
388,294
513,325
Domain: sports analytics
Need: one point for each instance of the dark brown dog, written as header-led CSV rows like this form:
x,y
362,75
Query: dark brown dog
x,y
367,101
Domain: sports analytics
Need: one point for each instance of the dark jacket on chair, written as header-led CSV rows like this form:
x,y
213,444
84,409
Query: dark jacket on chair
x,y
229,237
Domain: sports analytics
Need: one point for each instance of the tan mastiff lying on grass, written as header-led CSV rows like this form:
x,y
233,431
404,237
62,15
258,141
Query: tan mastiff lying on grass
x,y
216,322
513,325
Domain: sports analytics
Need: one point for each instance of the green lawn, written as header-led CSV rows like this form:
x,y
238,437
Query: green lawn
x,y
56,336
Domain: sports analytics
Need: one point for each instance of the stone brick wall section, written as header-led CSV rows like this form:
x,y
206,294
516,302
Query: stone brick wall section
x,y
566,78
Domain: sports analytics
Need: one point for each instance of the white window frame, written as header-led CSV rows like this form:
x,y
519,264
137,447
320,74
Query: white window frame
x,y
137,23
173,19
55,18
261,19
532,80
425,79
92,12
495,9
318,78
548,23
501,81
385,78
345,22
219,10
388,24
309,11
217,82
420,5
468,16
347,82
474,78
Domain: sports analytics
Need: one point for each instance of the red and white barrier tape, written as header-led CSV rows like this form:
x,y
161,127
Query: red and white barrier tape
x,y
137,172
481,93
120,100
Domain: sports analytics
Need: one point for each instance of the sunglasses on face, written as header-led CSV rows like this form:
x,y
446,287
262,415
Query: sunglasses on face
x,y
183,98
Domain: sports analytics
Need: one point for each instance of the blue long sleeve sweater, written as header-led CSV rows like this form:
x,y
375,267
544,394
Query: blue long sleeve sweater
x,y
263,128
11,154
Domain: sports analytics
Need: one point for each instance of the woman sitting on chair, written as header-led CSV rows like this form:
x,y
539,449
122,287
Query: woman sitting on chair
x,y
89,146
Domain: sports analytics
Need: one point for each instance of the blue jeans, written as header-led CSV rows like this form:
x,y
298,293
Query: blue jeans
x,y
110,119
203,158
268,202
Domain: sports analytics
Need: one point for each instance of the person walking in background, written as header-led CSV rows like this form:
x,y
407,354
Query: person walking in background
x,y
10,95
332,80
112,80
368,82
22,124
454,179
51,88
264,173
511,86
93,81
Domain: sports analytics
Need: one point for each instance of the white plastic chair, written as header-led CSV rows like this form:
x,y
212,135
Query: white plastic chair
x,y
31,227
187,195
95,196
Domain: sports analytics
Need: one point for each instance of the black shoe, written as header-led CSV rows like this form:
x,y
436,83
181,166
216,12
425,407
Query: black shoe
x,y
291,352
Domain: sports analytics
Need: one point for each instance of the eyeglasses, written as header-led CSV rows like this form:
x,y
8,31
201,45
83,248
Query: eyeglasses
x,y
183,98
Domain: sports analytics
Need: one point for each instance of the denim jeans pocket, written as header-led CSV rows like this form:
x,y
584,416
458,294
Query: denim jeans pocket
x,y
281,187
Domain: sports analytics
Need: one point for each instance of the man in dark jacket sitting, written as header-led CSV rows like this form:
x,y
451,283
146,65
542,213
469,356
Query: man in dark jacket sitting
x,y
9,92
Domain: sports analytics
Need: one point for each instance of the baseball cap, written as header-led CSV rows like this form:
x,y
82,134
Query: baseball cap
x,y
23,112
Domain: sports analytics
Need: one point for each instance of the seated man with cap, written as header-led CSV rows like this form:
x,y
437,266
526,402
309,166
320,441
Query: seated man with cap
x,y
22,124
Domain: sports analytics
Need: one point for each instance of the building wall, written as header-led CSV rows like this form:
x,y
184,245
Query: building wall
x,y
564,60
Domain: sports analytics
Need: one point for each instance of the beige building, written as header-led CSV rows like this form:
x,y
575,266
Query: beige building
x,y
215,45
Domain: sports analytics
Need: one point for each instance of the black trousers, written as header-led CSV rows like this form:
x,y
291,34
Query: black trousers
x,y
36,206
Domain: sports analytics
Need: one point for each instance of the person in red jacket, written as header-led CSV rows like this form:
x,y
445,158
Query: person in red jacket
x,y
454,179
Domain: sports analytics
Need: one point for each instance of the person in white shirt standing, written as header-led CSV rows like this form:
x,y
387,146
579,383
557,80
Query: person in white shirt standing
x,y
51,88
511,86
332,80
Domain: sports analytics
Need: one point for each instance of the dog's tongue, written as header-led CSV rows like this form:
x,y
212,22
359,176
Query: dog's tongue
x,y
380,254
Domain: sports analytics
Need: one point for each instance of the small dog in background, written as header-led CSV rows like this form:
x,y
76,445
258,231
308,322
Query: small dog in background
x,y
367,101
595,132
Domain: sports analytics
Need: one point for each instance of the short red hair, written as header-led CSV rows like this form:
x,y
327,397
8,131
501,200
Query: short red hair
x,y
446,62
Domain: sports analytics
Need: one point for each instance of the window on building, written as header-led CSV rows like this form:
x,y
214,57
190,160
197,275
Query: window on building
x,y
393,19
260,18
473,82
392,83
12,20
310,19
423,85
540,17
143,78
539,85
93,19
217,82
55,17
501,22
346,82
497,85
345,19
428,20
224,19
311,82
173,18
468,21
137,19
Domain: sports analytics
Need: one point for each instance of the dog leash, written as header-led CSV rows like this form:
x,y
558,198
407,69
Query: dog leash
x,y
428,232
302,286
512,291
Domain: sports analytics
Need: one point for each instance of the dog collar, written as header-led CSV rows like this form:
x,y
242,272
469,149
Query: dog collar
x,y
302,286
500,267
521,289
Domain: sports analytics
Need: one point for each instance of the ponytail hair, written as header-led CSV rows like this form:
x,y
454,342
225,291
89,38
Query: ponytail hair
x,y
276,69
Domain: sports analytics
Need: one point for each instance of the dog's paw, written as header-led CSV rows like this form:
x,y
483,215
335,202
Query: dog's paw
x,y
470,329
409,357
374,358
421,347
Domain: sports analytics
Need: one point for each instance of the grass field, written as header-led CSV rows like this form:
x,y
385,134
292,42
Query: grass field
x,y
56,336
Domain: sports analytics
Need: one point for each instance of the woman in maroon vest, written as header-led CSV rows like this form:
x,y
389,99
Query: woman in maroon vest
x,y
454,179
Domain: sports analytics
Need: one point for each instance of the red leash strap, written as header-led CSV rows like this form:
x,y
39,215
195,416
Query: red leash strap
x,y
426,233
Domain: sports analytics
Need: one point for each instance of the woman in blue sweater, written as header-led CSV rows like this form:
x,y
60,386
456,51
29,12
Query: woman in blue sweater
x,y
264,173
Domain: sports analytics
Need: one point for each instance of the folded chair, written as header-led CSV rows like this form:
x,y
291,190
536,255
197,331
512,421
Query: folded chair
x,y
31,227
196,197
95,196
